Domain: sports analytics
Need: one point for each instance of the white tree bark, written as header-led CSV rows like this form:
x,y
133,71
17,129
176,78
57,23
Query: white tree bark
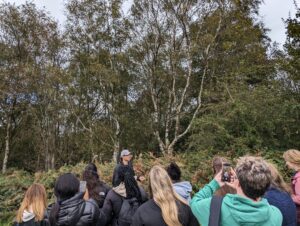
x,y
7,144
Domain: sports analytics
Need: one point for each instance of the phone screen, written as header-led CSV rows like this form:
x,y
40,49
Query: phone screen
x,y
226,173
82,186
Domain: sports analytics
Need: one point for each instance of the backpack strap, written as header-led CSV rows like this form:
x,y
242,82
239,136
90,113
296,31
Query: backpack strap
x,y
215,210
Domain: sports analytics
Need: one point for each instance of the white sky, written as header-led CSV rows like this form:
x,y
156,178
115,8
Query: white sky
x,y
272,12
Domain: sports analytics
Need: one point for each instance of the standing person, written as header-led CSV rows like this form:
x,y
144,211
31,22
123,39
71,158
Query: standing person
x,y
166,207
217,165
182,188
251,179
70,209
32,209
125,160
96,189
292,159
122,201
278,195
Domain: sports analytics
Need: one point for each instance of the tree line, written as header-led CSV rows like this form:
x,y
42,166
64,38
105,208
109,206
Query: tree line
x,y
165,76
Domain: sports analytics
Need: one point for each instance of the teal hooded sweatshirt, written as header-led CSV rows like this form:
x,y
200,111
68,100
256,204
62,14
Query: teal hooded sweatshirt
x,y
236,210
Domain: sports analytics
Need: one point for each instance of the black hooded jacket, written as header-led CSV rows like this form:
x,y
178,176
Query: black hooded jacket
x,y
76,212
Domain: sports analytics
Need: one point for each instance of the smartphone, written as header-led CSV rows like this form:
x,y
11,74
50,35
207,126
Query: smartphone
x,y
82,186
226,172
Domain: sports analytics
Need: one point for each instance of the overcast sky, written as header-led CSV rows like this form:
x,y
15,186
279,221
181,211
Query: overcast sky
x,y
272,12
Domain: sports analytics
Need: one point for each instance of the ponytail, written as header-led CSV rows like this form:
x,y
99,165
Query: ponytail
x,y
54,214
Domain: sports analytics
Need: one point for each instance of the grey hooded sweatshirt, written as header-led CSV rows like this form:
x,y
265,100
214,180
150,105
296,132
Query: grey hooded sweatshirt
x,y
183,189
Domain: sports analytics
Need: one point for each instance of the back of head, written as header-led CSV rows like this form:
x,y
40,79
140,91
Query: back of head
x,y
66,186
91,167
292,157
164,195
254,176
36,200
174,171
90,175
126,176
277,180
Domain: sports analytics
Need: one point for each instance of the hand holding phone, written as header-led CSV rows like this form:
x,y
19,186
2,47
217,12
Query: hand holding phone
x,y
226,173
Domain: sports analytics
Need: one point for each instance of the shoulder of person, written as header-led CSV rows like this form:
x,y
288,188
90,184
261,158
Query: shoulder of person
x,y
276,215
112,195
91,207
106,187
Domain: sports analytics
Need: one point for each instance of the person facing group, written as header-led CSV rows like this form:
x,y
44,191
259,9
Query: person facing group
x,y
166,207
251,179
125,160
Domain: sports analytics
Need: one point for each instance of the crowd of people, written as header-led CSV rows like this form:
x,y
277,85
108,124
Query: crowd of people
x,y
253,193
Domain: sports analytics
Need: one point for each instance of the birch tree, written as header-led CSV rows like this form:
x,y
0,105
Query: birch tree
x,y
171,55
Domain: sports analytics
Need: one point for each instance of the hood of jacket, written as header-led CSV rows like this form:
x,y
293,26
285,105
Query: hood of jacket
x,y
71,210
247,212
120,189
27,216
183,189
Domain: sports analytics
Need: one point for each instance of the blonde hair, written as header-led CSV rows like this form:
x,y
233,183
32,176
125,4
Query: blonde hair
x,y
277,180
164,196
35,201
292,156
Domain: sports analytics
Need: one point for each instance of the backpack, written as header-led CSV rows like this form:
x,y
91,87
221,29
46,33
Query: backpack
x,y
128,209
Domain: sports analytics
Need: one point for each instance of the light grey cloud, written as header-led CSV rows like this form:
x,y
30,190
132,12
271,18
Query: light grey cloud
x,y
272,12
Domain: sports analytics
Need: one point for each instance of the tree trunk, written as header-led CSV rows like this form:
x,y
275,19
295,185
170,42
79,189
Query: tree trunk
x,y
116,151
53,161
7,145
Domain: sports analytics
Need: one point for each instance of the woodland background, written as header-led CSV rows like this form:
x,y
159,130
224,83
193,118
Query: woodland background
x,y
183,79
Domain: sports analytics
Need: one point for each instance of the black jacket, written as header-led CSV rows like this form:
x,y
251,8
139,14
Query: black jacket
x,y
32,222
115,180
77,212
101,191
113,203
149,214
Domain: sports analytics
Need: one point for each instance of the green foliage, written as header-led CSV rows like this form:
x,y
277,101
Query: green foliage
x,y
261,118
169,75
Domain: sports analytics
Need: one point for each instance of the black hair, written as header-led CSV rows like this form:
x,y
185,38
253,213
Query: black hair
x,y
66,186
126,175
174,171
93,183
91,168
